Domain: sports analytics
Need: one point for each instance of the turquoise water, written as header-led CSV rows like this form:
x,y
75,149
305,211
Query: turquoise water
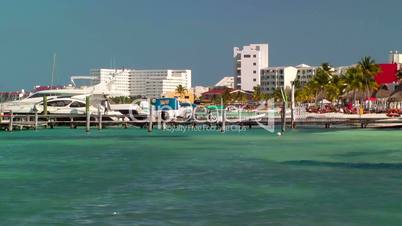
x,y
129,177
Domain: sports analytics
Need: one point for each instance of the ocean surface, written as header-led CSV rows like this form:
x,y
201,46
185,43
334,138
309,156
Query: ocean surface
x,y
129,177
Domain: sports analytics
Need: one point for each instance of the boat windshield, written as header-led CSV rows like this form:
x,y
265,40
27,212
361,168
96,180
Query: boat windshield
x,y
36,95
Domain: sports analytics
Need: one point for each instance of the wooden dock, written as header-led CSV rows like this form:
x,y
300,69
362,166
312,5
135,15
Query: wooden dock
x,y
13,122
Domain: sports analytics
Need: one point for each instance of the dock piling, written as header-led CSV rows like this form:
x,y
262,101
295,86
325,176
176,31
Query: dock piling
x,y
223,127
52,123
11,121
283,116
71,123
292,106
36,120
88,114
99,118
150,116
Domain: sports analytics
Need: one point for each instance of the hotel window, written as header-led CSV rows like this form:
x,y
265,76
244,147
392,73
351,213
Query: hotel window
x,y
247,56
254,79
254,56
254,72
255,64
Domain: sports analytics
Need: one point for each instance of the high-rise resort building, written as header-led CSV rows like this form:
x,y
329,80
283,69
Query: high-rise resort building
x,y
273,78
117,80
149,83
154,83
305,73
248,63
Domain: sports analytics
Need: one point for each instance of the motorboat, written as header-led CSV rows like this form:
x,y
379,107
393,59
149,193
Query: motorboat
x,y
26,105
75,106
138,110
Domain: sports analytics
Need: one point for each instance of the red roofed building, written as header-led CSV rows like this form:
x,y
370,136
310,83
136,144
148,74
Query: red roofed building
x,y
387,74
217,91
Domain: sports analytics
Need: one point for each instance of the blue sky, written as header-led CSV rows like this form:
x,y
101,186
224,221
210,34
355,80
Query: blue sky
x,y
198,35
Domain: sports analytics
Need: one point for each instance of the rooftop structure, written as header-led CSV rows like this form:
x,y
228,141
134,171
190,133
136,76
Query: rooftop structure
x,y
395,57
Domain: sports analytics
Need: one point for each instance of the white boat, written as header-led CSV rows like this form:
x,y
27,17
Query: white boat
x,y
134,111
98,94
73,106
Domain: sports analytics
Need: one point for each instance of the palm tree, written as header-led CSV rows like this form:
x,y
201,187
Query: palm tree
x,y
326,67
215,99
241,98
335,88
226,96
312,89
297,84
355,81
370,69
320,80
257,93
277,95
181,90
304,95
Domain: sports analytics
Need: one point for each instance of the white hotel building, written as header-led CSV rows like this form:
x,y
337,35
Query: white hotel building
x,y
251,69
273,78
149,83
282,77
248,63
305,73
154,83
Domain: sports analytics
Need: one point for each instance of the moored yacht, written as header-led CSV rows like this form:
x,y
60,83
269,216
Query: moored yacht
x,y
98,94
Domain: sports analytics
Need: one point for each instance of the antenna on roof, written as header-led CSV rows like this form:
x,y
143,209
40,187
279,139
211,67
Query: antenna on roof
x,y
112,62
53,70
